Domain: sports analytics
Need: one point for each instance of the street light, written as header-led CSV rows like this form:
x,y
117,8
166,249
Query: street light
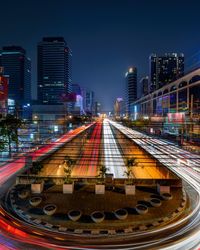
x,y
36,121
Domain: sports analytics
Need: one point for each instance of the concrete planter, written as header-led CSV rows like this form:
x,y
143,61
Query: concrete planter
x,y
121,214
23,194
167,196
97,216
35,201
141,209
129,189
50,209
68,188
163,189
74,215
155,202
37,188
99,189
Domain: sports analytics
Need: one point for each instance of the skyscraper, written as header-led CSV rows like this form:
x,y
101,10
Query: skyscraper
x,y
89,102
18,67
144,83
165,69
131,88
118,107
54,70
97,108
77,106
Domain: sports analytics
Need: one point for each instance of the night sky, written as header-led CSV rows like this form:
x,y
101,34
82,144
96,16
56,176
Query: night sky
x,y
106,36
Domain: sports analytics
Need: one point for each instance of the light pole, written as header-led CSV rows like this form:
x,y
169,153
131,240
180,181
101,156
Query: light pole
x,y
36,121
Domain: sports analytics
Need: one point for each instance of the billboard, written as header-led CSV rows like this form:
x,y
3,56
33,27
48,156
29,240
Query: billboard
x,y
176,118
3,88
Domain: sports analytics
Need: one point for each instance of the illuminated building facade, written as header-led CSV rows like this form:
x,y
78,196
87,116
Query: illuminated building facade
x,y
77,105
144,83
18,67
180,98
165,69
131,88
89,102
54,70
118,107
3,92
97,108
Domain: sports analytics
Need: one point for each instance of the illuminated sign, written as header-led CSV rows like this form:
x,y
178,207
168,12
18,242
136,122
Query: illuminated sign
x,y
157,118
176,117
55,128
3,88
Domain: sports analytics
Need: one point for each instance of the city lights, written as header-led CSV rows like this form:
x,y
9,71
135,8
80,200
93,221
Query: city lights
x,y
100,125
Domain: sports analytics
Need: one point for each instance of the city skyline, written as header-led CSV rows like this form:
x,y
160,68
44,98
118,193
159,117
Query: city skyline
x,y
104,42
99,125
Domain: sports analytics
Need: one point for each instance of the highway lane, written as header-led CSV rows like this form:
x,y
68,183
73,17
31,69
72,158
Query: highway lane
x,y
9,171
112,156
168,237
15,166
185,167
87,166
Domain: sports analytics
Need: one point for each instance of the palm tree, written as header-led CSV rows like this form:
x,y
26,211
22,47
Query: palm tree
x,y
128,174
102,171
67,171
130,162
69,162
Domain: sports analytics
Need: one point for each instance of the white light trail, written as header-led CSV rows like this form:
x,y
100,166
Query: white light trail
x,y
113,159
185,165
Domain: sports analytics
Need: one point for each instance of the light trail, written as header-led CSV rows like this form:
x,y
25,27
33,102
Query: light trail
x,y
15,166
12,168
182,234
172,157
87,165
113,159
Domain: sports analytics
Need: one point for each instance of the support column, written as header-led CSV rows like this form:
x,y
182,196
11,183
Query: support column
x,y
188,99
177,101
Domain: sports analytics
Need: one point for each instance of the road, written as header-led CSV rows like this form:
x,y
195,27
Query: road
x,y
15,166
9,171
112,156
184,164
87,166
180,235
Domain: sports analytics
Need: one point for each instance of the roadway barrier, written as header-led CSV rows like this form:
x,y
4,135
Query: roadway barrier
x,y
28,179
158,222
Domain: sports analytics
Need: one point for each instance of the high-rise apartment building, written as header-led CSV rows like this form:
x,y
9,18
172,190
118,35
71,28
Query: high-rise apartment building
x,y
89,101
131,88
18,67
144,83
165,69
118,107
54,70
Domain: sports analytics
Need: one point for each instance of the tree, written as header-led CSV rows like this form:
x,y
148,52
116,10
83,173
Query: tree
x,y
102,171
36,168
68,163
130,162
68,172
2,144
9,126
128,174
